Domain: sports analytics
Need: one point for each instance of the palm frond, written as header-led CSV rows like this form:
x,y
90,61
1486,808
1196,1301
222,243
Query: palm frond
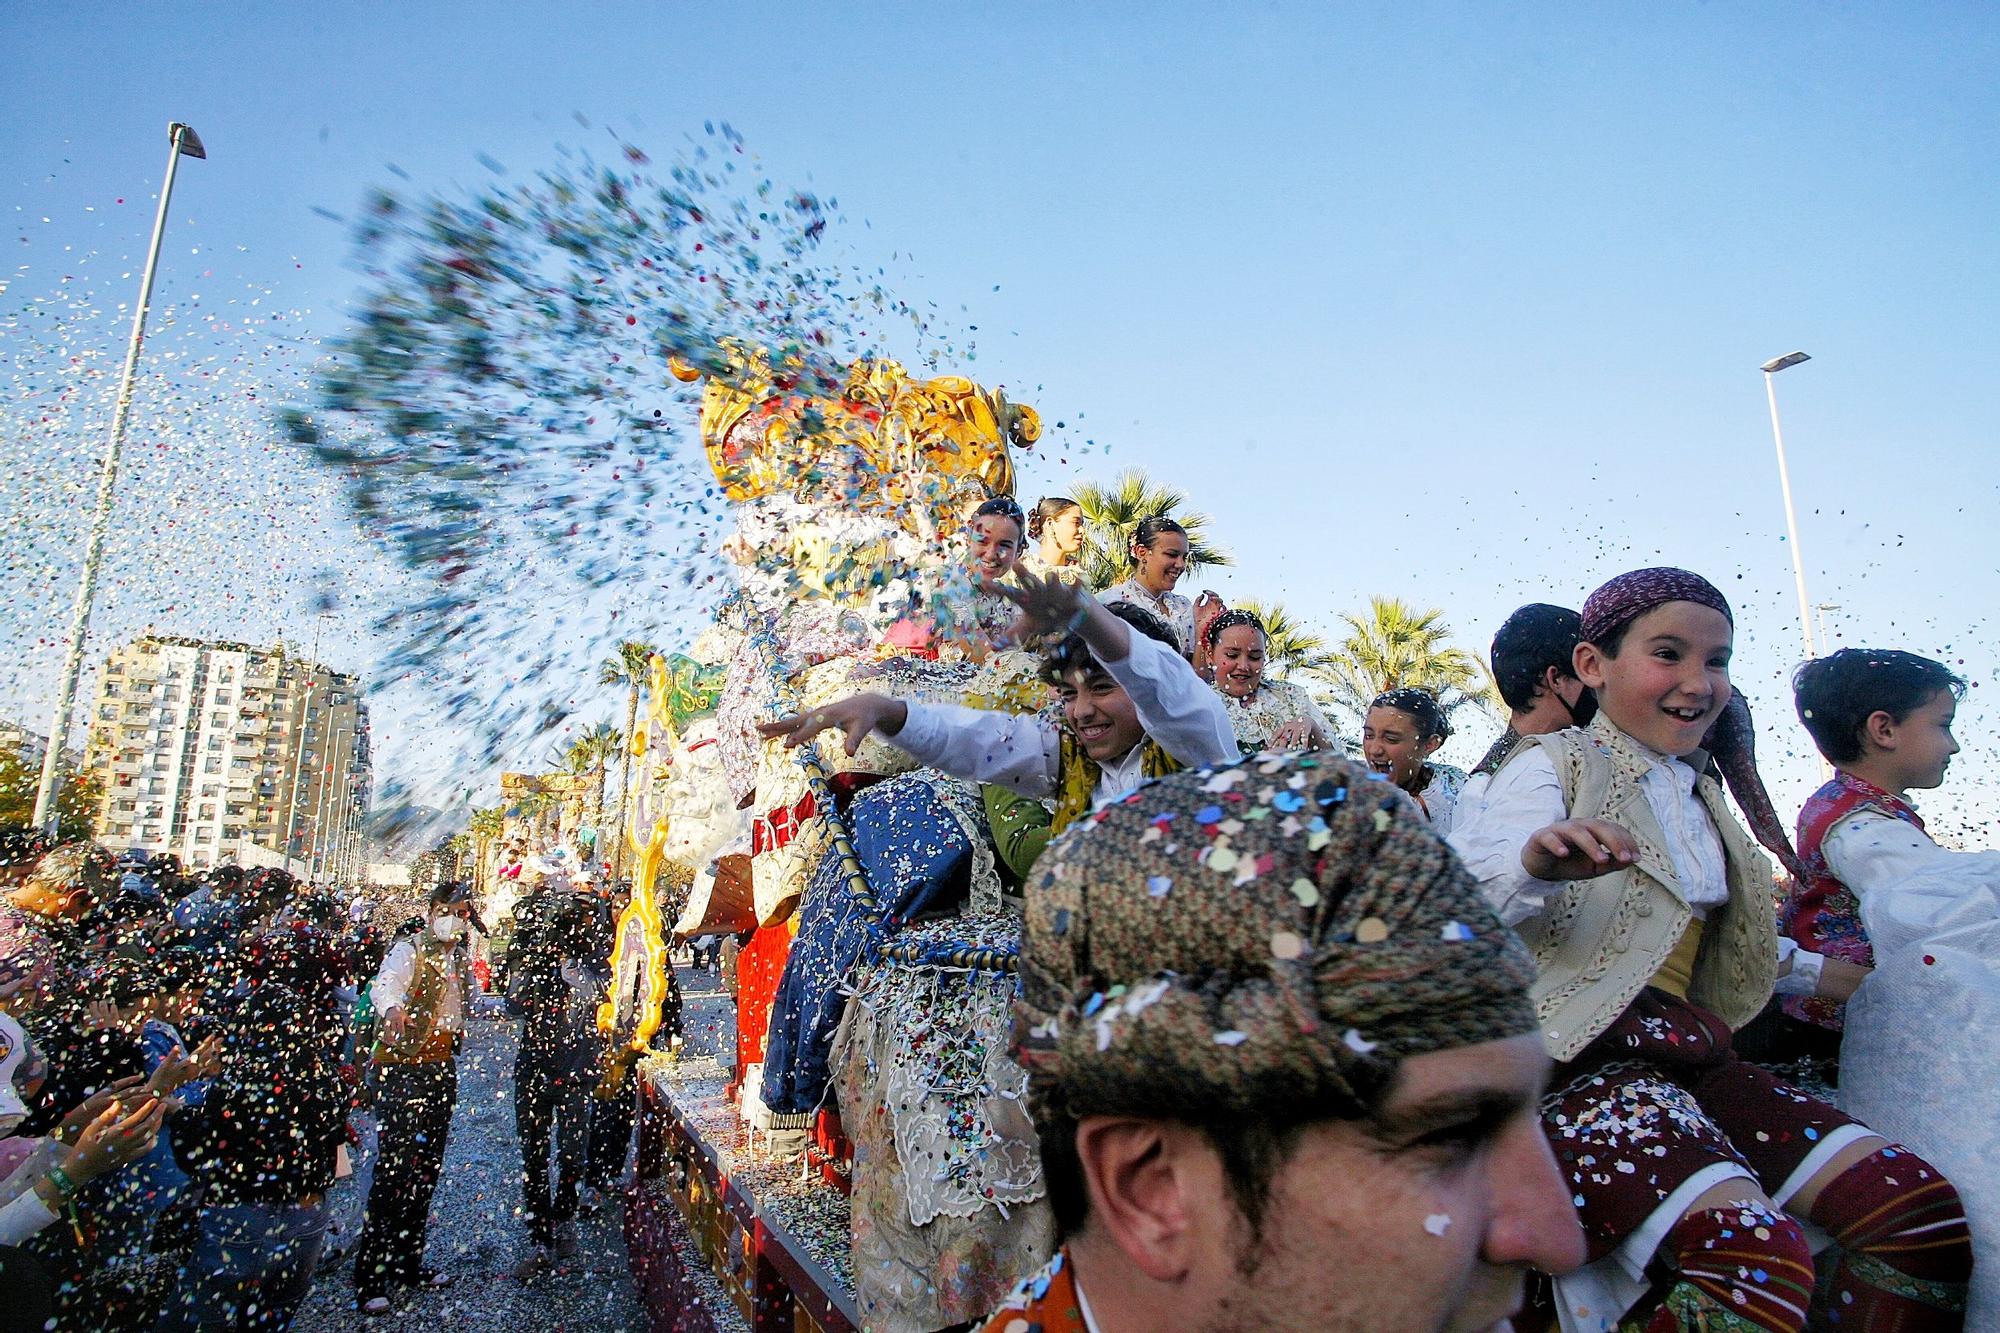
x,y
1112,514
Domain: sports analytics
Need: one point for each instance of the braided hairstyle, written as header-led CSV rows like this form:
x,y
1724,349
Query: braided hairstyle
x,y
1004,507
1149,530
1230,620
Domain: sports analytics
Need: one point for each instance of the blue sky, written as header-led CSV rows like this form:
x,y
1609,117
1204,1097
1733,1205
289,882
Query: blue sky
x,y
1462,304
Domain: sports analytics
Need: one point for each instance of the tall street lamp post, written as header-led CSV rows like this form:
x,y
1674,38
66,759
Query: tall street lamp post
x,y
184,143
1770,369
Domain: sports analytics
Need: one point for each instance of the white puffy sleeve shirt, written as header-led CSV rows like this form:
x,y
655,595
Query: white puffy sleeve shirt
x,y
1908,886
1526,797
1021,752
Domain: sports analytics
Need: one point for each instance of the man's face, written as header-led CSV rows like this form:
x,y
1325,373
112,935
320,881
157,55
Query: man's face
x,y
1101,713
1425,1217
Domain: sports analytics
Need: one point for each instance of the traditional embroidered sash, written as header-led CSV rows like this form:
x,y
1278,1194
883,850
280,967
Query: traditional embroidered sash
x,y
1077,775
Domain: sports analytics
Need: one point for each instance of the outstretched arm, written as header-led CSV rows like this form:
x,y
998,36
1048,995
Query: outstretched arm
x,y
1018,752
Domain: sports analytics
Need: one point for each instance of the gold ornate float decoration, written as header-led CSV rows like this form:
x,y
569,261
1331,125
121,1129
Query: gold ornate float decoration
x,y
762,435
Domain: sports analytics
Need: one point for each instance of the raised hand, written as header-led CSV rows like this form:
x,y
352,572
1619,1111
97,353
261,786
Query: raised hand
x,y
208,1057
857,715
1048,606
1578,849
174,1070
93,1106
120,1133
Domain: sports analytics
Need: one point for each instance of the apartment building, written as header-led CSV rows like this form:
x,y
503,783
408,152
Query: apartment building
x,y
224,752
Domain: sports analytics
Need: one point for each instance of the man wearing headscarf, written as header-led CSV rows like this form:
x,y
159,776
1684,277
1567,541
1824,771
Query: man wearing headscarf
x,y
1282,1064
1650,915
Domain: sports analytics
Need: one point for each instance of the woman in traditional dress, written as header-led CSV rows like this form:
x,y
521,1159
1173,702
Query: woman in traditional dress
x,y
1055,527
1159,558
1267,714
1402,731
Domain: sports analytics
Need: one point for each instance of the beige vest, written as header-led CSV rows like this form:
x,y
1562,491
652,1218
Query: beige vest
x,y
425,1038
1598,942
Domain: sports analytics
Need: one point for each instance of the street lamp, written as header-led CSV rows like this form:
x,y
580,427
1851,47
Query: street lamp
x,y
1770,369
184,142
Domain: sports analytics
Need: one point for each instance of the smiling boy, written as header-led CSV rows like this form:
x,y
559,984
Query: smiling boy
x,y
1132,709
1649,913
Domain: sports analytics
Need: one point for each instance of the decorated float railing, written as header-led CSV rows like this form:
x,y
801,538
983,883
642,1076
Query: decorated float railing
x,y
876,959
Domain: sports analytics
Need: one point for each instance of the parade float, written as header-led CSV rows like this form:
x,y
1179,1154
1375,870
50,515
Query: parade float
x,y
860,1157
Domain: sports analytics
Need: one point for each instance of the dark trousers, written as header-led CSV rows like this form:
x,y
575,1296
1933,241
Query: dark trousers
x,y
611,1132
551,1109
415,1104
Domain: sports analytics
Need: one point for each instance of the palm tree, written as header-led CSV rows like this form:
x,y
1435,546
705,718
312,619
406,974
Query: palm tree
x,y
1395,646
534,806
588,755
485,828
1289,645
629,667
1111,514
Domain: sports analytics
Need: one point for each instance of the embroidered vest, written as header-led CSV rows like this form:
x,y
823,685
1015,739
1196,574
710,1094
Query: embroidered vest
x,y
424,1037
1821,913
1077,775
1599,942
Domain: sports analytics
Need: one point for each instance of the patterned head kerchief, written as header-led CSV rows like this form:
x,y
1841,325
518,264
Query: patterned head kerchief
x,y
1268,938
1629,596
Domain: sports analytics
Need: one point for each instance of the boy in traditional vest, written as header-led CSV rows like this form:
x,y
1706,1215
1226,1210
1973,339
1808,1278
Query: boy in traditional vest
x,y
1133,709
422,995
1883,720
1649,912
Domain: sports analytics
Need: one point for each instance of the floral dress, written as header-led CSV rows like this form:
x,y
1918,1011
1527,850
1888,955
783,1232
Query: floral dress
x,y
1275,704
1171,607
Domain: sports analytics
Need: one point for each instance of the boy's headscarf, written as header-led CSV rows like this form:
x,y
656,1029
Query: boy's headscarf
x,y
1269,937
1629,596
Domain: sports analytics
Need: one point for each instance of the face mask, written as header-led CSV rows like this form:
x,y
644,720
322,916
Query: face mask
x,y
447,928
1584,709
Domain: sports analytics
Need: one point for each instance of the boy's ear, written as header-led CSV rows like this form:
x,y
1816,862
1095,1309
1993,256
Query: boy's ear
x,y
1589,661
1878,730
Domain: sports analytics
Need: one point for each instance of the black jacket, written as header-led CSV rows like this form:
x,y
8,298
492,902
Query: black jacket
x,y
555,977
276,1114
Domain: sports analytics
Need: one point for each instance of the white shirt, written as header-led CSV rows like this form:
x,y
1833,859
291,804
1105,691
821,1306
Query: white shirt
x,y
1022,752
23,1217
392,986
1907,885
1526,796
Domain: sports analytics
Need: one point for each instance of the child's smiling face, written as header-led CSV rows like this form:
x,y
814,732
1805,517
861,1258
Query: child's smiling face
x,y
1103,716
1669,679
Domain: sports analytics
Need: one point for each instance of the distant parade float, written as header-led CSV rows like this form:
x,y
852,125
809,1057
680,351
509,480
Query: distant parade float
x,y
863,1157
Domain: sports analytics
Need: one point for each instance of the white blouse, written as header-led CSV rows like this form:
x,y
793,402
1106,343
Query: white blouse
x,y
1171,607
